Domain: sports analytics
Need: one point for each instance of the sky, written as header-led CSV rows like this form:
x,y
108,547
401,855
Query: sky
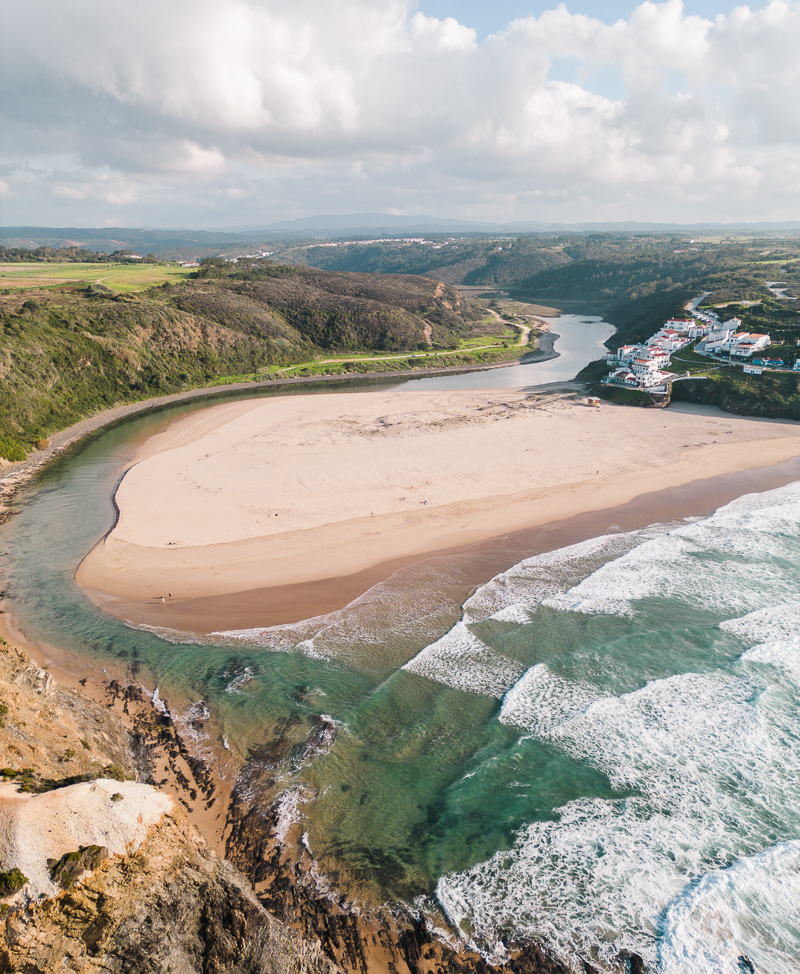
x,y
200,114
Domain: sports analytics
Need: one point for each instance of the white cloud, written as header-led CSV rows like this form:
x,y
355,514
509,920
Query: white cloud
x,y
353,105
442,35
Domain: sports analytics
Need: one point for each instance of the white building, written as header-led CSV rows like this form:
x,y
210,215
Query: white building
x,y
744,345
670,339
623,377
679,324
717,339
624,355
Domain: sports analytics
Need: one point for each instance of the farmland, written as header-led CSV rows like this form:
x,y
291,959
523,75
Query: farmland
x,y
123,277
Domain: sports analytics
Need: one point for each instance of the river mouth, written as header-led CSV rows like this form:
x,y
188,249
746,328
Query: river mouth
x,y
432,740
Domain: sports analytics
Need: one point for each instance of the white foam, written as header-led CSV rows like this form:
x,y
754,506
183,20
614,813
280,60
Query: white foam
x,y
720,564
642,572
540,701
712,765
387,615
520,614
461,660
288,812
238,679
783,655
748,910
780,621
157,702
513,594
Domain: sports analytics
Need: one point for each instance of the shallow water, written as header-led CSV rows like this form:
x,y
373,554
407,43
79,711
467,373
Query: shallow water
x,y
599,747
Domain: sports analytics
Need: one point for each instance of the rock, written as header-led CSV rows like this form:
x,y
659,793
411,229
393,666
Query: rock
x,y
172,907
66,870
56,733
144,891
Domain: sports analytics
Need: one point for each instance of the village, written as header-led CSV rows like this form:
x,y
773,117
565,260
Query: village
x,y
646,366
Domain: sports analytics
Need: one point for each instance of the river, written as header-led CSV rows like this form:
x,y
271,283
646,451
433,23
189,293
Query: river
x,y
581,340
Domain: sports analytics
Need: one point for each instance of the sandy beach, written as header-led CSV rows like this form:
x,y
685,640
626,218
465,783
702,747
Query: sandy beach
x,y
298,491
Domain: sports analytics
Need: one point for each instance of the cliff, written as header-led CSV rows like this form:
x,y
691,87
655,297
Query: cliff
x,y
170,905
107,874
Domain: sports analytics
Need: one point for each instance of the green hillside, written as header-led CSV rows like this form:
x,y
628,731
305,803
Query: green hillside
x,y
491,261
67,353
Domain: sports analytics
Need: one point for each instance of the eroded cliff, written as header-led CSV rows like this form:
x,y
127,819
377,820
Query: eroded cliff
x,y
108,874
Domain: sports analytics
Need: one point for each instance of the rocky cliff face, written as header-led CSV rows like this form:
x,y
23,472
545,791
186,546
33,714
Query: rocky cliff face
x,y
57,734
116,879
171,906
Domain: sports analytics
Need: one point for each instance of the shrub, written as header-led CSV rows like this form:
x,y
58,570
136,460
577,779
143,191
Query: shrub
x,y
66,870
11,449
115,771
11,881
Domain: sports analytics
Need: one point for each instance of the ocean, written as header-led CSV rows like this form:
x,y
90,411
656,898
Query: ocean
x,y
597,746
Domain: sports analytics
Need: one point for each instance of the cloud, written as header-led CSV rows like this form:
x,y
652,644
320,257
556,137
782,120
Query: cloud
x,y
351,105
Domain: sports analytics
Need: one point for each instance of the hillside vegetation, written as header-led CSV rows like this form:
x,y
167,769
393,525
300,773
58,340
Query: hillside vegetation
x,y
70,345
491,262
68,353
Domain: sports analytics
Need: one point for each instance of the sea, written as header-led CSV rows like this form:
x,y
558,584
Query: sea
x,y
596,746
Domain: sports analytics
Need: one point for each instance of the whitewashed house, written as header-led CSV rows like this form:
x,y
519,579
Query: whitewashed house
x,y
717,339
679,324
624,355
745,345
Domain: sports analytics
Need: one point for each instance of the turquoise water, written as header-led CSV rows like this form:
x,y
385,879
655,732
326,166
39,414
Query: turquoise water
x,y
599,746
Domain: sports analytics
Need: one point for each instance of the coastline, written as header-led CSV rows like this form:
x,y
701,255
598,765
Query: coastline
x,y
197,786
249,835
285,604
398,938
244,514
14,474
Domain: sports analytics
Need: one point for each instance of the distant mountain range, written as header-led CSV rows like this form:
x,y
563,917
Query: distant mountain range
x,y
183,242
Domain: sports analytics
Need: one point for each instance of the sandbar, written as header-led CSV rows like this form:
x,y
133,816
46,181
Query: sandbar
x,y
297,491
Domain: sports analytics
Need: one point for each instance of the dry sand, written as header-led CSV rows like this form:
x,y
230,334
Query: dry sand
x,y
291,491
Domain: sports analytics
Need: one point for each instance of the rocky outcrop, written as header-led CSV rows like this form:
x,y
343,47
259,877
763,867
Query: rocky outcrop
x,y
112,875
72,865
283,875
57,735
171,907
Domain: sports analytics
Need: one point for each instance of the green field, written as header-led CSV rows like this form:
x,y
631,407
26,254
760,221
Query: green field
x,y
118,277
